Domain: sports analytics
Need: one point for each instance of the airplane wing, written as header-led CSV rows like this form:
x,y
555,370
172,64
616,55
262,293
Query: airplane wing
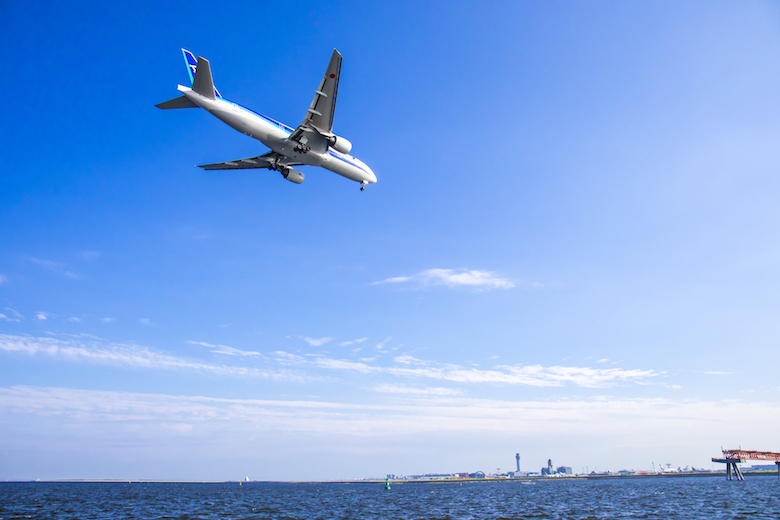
x,y
319,117
270,160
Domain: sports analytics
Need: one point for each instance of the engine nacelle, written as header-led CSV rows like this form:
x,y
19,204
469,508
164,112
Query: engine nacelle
x,y
293,175
340,144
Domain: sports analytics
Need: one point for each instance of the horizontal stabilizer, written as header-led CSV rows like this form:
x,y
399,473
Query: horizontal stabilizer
x,y
241,164
202,83
271,160
179,102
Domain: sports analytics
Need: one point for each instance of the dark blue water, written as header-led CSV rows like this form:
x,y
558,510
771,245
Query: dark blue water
x,y
662,498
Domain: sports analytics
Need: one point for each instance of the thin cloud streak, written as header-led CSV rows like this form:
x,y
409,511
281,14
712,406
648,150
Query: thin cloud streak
x,y
528,375
453,278
317,342
16,313
406,366
645,421
352,342
224,349
56,267
416,391
128,356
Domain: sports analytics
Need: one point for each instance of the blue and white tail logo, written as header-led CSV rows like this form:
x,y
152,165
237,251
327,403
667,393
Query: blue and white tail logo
x,y
192,66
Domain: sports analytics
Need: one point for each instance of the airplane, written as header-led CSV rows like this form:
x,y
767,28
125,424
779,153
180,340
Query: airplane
x,y
312,143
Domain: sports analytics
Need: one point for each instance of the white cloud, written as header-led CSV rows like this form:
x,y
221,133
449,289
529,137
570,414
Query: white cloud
x,y
351,342
343,364
285,358
3,279
397,279
532,375
528,375
406,359
224,349
408,390
716,373
127,355
42,315
53,266
602,360
624,423
107,320
382,344
74,319
454,278
405,365
16,313
317,342
48,264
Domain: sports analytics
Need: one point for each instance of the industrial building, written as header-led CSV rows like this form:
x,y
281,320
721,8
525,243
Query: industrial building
x,y
560,470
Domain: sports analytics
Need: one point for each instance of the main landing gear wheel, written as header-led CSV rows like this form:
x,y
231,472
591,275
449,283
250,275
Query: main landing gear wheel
x,y
362,186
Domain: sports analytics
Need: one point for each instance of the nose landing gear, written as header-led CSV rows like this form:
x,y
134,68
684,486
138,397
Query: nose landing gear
x,y
363,186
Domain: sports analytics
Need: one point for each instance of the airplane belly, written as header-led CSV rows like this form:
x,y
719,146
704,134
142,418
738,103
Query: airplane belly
x,y
231,119
253,127
344,169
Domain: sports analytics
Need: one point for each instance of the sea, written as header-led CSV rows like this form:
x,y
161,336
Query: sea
x,y
652,498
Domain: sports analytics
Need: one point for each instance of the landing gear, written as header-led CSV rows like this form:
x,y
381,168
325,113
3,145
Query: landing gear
x,y
363,186
279,167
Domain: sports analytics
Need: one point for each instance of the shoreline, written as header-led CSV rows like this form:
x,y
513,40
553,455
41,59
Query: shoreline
x,y
771,473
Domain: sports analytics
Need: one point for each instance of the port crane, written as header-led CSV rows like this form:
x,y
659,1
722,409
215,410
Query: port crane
x,y
733,457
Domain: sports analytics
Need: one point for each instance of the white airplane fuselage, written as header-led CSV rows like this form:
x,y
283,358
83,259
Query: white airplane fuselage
x,y
275,135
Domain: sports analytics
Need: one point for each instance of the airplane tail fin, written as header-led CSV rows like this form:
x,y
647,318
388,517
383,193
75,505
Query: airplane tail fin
x,y
192,63
200,77
202,82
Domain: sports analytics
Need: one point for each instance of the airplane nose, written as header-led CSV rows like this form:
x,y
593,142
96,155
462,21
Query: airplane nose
x,y
371,178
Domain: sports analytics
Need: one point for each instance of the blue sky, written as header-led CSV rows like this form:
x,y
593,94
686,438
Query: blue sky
x,y
571,251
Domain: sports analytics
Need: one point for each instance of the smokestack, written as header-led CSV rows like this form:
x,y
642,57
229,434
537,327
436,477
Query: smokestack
x,y
517,456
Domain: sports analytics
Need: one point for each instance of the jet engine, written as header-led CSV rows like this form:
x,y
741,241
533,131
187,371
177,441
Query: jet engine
x,y
340,144
293,175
